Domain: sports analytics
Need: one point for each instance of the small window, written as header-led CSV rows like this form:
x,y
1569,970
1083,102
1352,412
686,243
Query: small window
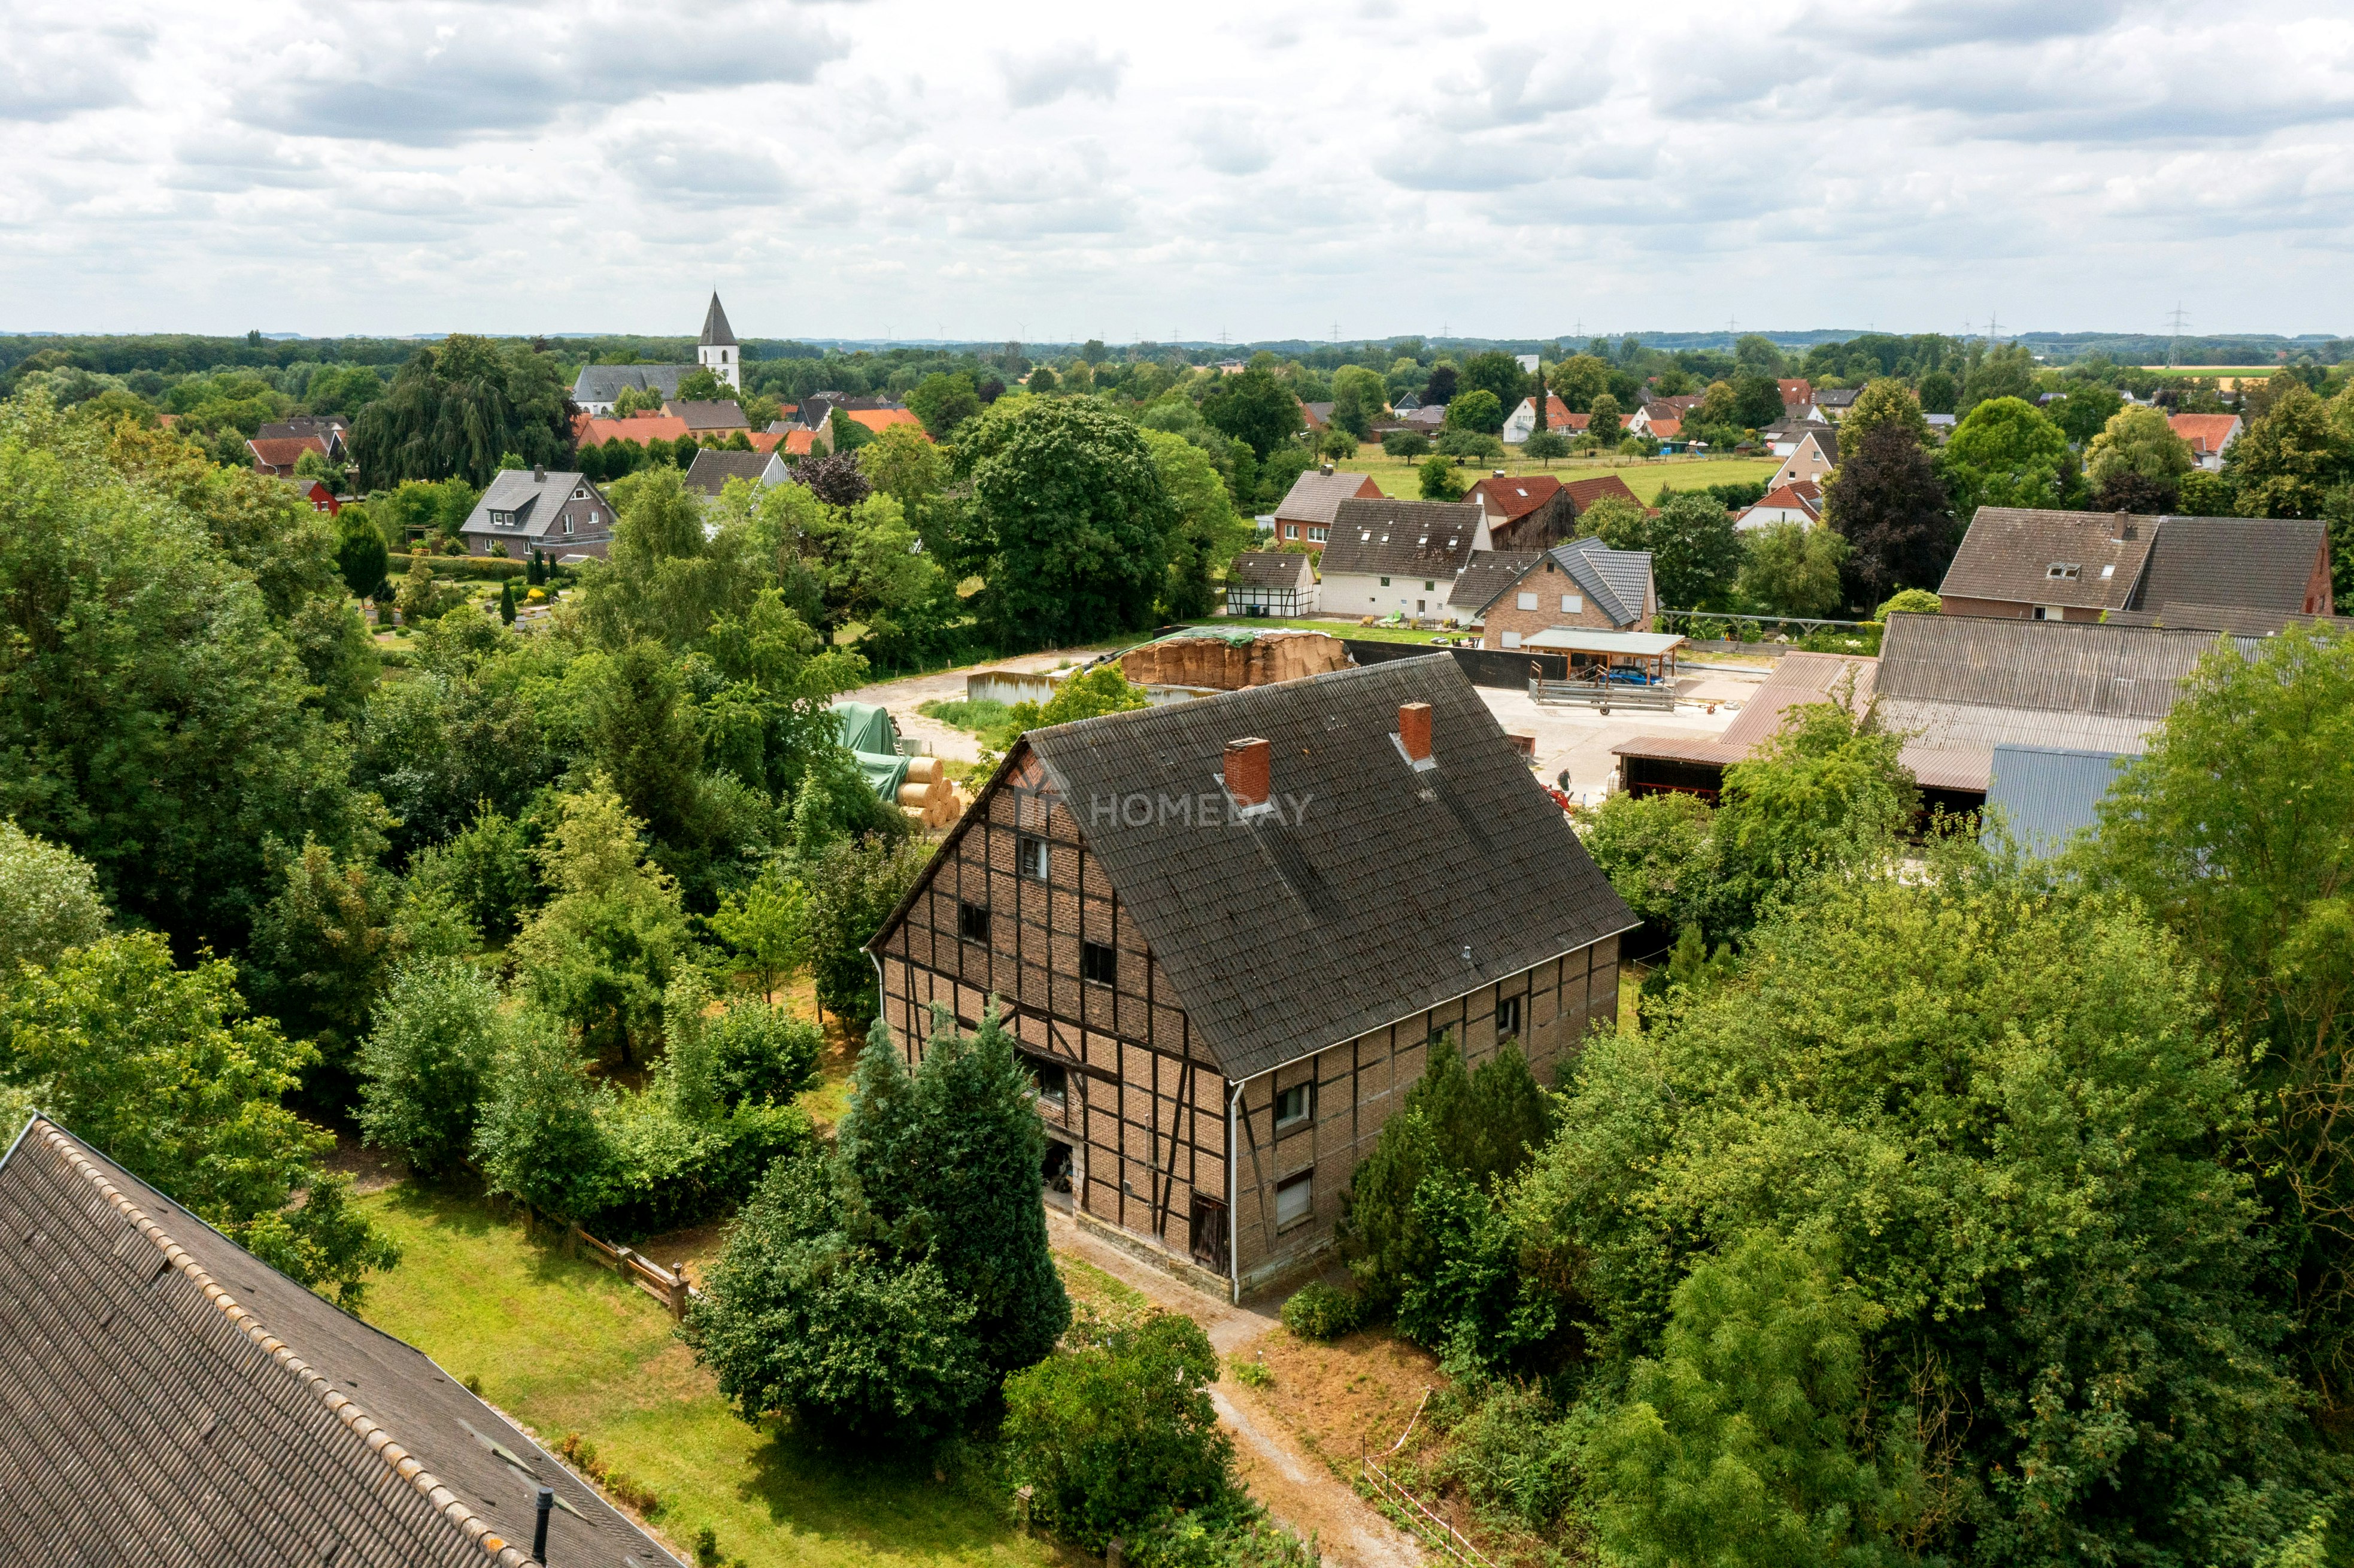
x,y
1291,530
1295,1105
567,524
2064,571
1431,586
1385,582
1573,603
1099,963
1527,601
1030,857
581,494
1294,1199
972,921
1053,1081
1320,534
1507,1018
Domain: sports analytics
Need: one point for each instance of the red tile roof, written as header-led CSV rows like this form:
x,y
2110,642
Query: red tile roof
x,y
877,420
1585,493
2205,432
1516,496
1799,495
280,453
1796,389
641,428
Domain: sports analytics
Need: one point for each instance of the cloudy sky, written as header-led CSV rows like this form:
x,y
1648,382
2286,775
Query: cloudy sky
x,y
1049,171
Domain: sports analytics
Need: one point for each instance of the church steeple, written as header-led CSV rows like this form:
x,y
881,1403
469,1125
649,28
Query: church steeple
x,y
717,351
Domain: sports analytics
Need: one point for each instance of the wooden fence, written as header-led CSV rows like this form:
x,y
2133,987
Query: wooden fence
x,y
669,1289
1427,1527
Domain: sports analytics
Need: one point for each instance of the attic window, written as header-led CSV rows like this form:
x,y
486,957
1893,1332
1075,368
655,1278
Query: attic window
x,y
2064,571
2108,572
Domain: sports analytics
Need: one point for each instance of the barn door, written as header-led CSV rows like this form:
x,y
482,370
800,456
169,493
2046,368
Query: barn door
x,y
1207,1237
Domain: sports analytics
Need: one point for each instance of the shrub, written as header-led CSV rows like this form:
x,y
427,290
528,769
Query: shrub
x,y
421,1069
469,568
538,1137
48,900
1228,1531
1321,1311
764,1054
1117,1428
1517,1456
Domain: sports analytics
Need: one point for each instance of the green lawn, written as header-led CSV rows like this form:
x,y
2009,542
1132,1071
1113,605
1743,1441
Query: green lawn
x,y
563,1346
1644,476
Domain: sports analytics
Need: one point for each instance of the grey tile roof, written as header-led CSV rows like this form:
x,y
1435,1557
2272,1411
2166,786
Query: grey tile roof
x,y
537,500
715,332
711,470
1314,496
1489,573
719,413
1403,538
2238,619
2046,794
167,1399
1283,938
1617,580
1267,569
2261,563
2011,552
603,383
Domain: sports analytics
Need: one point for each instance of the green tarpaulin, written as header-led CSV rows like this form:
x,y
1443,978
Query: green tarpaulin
x,y
873,740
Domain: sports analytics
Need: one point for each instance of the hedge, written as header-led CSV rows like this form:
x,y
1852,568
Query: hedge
x,y
460,568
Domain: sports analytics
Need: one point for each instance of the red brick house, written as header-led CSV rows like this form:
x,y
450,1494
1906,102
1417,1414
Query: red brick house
x,y
1513,594
1304,515
1223,973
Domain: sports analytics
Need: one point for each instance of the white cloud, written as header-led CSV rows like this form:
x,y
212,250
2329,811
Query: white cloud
x,y
1034,80
561,164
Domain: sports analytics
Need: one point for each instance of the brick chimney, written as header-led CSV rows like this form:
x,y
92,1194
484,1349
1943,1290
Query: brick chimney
x,y
1249,770
1414,731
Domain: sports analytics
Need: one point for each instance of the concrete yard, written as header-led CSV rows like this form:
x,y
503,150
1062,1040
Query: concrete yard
x,y
1574,738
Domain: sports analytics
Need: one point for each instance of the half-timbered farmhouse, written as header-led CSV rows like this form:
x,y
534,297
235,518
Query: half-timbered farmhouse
x,y
1226,931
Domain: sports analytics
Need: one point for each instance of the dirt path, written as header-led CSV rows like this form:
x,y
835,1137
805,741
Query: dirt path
x,y
1296,1486
903,694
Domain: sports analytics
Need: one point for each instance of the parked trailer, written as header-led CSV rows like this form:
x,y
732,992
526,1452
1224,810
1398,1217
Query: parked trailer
x,y
1603,695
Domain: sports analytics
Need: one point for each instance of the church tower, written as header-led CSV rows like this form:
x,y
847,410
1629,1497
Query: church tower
x,y
717,352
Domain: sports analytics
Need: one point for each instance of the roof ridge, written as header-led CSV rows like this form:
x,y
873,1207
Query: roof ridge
x,y
379,1441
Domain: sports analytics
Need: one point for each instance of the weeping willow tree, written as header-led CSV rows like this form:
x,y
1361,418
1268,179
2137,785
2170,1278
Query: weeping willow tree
x,y
457,407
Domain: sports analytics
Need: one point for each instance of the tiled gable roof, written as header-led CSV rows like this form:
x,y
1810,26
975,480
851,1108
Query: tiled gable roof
x,y
712,469
1618,581
2080,560
641,428
173,1400
603,383
1490,576
2262,563
1516,495
1315,495
1585,493
1369,935
535,501
881,420
1403,538
2207,433
284,451
1266,569
717,414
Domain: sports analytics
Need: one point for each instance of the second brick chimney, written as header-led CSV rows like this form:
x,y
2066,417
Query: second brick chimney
x,y
1414,731
1249,770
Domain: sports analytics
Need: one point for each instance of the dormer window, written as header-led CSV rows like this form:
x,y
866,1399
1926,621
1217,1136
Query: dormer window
x,y
2064,571
580,493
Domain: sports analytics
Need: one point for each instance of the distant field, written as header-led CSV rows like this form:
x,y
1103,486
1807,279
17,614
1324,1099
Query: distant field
x,y
1644,476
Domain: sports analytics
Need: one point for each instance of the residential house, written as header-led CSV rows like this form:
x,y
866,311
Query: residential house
x,y
597,385
641,428
710,470
719,418
332,428
1814,455
2032,565
1318,416
1585,493
1521,422
1661,417
1941,425
1582,586
1958,687
1271,582
1797,398
1222,973
561,515
879,420
277,455
174,1399
1398,557
1524,511
1304,515
1833,404
322,499
2208,435
1801,502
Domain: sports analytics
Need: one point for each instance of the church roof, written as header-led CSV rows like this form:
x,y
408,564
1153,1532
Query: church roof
x,y
716,330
